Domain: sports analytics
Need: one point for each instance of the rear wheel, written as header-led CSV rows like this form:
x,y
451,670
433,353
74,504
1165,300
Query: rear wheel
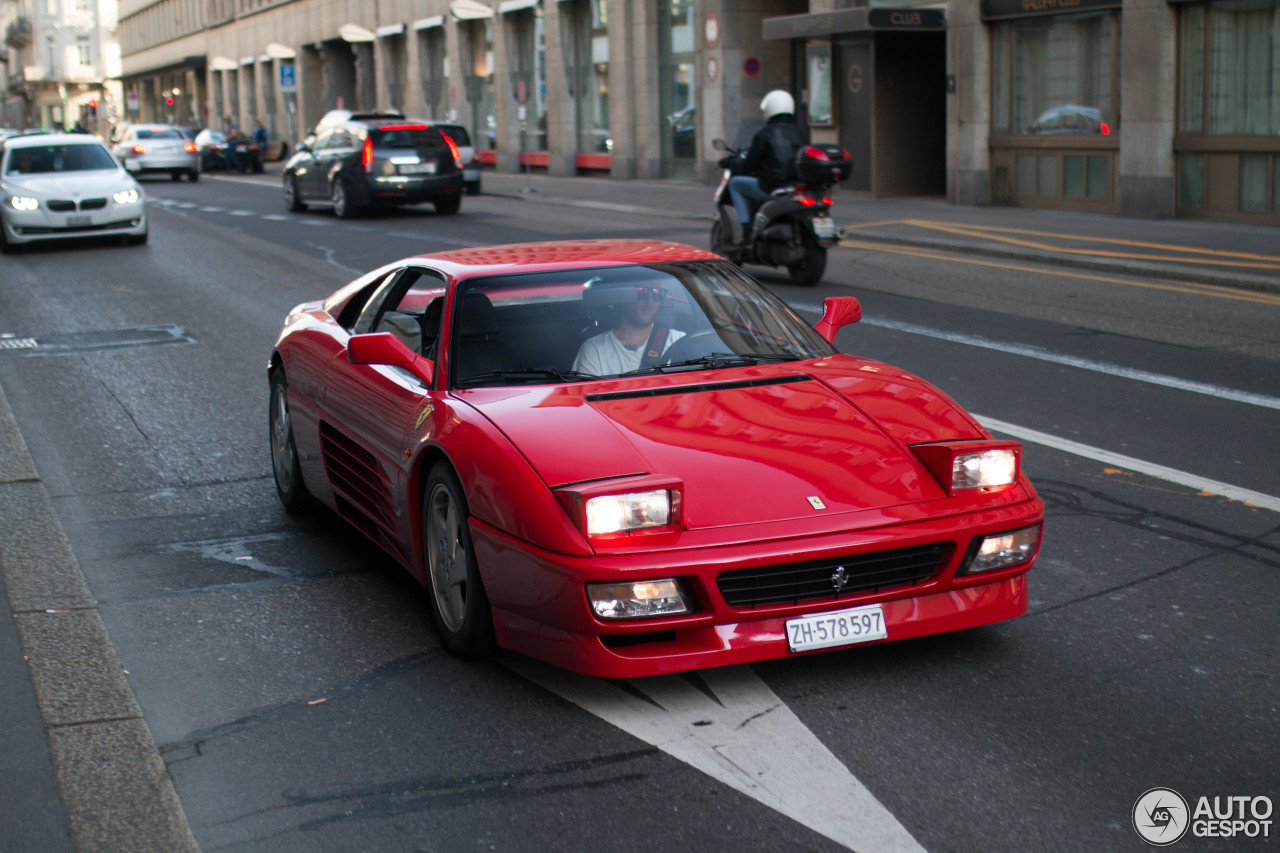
x,y
341,203
808,271
291,199
175,176
284,451
458,599
449,204
193,175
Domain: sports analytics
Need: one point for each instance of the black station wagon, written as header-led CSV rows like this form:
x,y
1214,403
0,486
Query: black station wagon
x,y
385,161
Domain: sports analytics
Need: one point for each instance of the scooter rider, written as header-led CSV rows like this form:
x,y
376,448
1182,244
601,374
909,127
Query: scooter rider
x,y
770,162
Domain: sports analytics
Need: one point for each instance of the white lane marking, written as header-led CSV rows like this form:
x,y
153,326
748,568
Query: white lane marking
x,y
746,738
1070,361
1171,475
242,213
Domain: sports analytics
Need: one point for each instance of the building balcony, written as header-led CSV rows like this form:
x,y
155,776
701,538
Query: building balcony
x,y
19,33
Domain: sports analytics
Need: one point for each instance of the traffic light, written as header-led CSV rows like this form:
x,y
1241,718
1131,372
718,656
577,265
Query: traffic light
x,y
169,100
93,107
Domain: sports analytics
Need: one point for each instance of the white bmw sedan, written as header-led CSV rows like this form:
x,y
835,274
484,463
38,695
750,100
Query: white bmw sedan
x,y
60,186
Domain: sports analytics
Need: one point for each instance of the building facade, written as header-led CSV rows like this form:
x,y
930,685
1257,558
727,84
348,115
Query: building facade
x,y
1150,108
61,65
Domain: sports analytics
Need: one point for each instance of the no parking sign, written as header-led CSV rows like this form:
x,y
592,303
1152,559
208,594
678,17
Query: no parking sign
x,y
751,66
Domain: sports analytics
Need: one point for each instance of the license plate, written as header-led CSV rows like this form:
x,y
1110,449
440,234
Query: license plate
x,y
418,168
75,221
824,227
838,628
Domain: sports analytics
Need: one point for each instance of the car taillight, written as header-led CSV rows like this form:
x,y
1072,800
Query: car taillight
x,y
453,149
191,147
139,149
366,156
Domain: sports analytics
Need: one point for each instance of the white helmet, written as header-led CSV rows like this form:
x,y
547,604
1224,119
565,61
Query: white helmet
x,y
776,103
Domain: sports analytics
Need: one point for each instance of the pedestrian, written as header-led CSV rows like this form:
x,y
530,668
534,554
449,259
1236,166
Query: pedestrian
x,y
260,140
230,154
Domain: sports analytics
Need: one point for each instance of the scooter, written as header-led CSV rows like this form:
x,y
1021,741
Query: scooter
x,y
793,228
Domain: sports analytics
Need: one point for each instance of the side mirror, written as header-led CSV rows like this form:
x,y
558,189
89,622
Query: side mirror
x,y
303,146
386,348
718,144
838,312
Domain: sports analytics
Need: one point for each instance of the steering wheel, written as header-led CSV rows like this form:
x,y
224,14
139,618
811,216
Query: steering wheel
x,y
692,346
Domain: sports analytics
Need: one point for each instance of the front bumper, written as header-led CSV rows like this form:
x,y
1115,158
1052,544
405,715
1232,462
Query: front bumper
x,y
540,607
21,227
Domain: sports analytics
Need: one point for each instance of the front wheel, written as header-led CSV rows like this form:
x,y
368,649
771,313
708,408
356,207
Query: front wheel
x,y
808,271
285,466
458,600
291,198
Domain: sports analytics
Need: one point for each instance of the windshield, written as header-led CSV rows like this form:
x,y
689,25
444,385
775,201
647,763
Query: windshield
x,y
584,324
165,133
33,160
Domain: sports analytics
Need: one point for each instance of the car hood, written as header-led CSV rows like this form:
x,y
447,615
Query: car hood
x,y
88,184
756,445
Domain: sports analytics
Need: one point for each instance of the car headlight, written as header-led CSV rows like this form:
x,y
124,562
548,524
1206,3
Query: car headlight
x,y
1003,550
637,600
128,196
635,511
23,202
961,466
984,470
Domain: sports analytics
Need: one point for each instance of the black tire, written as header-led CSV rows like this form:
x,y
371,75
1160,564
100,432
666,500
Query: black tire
x,y
342,207
720,241
193,175
292,200
449,204
808,271
257,167
473,188
285,468
458,600
175,176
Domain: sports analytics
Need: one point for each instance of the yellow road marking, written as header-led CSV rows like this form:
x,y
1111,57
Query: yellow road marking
x,y
1193,289
1216,257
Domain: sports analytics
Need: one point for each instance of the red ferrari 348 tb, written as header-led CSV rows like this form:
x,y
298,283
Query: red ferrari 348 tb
x,y
629,458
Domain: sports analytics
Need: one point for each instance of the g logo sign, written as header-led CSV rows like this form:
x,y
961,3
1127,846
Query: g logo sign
x,y
1161,816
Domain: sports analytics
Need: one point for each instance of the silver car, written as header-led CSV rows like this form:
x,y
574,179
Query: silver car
x,y
158,148
470,163
60,186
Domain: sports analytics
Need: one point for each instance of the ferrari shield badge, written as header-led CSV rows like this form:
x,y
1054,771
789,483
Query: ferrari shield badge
x,y
423,415
816,502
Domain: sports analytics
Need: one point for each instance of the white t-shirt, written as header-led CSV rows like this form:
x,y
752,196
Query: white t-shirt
x,y
605,355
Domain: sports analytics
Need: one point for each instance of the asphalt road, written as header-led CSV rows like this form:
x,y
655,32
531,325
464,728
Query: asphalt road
x,y
295,691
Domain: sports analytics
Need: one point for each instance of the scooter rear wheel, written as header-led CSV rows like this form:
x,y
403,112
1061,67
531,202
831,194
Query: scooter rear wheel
x,y
808,271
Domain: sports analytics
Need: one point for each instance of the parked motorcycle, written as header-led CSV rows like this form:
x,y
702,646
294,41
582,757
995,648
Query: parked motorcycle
x,y
793,228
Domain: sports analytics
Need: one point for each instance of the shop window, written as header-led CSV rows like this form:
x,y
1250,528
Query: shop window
x,y
1191,181
1253,183
1057,74
1229,53
818,68
1085,176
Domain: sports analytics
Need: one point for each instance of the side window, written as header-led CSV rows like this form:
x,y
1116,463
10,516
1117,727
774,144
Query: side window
x,y
323,141
373,305
413,310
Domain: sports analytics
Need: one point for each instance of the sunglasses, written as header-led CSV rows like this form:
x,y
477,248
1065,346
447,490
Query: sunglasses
x,y
657,294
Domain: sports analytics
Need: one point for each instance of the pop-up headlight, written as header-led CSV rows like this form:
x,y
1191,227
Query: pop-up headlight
x,y
961,466
624,506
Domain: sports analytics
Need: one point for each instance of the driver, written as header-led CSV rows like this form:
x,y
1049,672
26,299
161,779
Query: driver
x,y
634,342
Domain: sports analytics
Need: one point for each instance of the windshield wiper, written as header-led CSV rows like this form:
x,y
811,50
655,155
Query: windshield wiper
x,y
525,373
717,360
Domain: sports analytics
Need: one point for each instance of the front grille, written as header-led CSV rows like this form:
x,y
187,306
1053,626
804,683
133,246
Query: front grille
x,y
66,205
822,579
93,204
59,205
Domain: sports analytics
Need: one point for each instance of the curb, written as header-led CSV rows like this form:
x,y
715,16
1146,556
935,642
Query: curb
x,y
113,783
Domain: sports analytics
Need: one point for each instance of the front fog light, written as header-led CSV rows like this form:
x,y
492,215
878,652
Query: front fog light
x,y
1003,550
636,600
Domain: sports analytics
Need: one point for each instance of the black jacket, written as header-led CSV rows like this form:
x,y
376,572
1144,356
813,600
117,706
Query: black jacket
x,y
772,156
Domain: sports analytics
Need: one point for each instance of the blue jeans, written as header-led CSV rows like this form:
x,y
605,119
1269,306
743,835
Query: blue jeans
x,y
744,189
